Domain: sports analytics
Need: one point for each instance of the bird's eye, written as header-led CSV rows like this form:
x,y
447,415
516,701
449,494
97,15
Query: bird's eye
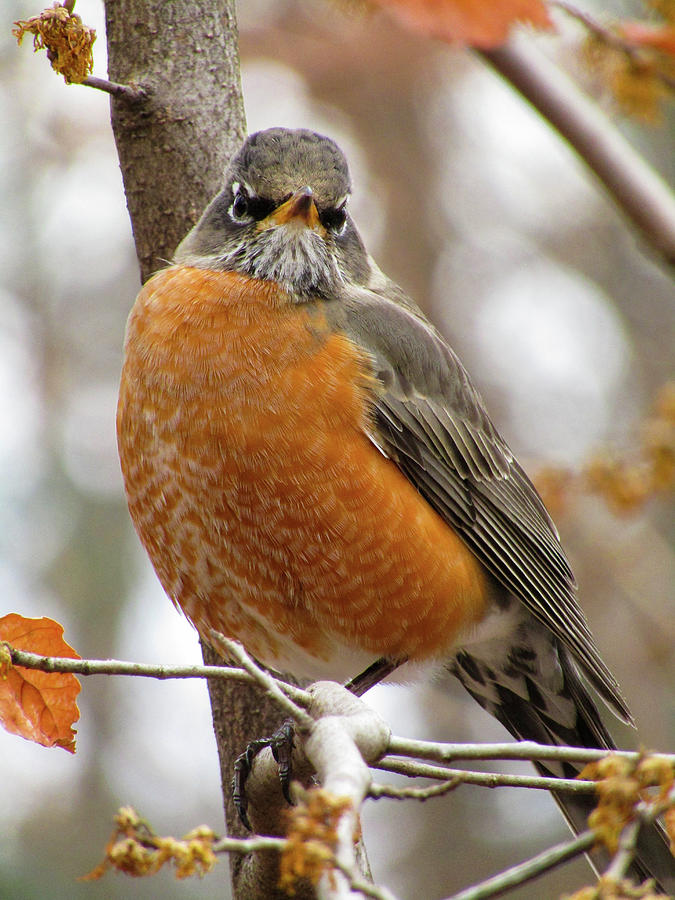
x,y
239,208
334,219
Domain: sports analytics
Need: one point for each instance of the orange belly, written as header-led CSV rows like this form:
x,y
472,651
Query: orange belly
x,y
267,512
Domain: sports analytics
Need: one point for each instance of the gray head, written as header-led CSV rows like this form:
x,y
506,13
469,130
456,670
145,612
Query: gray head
x,y
282,215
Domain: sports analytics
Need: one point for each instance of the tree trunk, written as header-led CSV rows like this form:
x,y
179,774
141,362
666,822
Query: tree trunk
x,y
173,146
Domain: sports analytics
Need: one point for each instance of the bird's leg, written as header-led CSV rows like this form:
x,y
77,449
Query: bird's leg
x,y
374,674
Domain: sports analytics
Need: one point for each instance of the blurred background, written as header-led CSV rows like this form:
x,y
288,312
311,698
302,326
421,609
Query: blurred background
x,y
478,209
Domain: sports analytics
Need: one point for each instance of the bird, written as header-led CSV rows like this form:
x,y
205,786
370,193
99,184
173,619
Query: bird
x,y
312,471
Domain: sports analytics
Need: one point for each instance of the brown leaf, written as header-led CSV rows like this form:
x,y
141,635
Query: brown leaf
x,y
38,706
476,23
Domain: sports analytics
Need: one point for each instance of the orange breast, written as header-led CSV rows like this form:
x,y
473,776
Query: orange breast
x,y
266,510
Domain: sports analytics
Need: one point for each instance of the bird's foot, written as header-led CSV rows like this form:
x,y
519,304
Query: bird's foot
x,y
281,744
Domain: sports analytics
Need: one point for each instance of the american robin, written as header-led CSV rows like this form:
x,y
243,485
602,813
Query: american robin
x,y
312,471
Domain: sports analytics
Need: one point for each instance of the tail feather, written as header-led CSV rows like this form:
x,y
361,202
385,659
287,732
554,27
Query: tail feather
x,y
536,692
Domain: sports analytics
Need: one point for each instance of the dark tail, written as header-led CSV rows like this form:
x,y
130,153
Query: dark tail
x,y
535,691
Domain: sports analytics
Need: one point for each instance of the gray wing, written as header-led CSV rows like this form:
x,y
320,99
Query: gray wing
x,y
431,421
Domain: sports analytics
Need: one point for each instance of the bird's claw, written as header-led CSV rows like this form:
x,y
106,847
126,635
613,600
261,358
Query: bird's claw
x,y
281,743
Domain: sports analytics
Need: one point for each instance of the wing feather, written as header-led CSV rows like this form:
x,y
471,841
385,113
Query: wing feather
x,y
431,421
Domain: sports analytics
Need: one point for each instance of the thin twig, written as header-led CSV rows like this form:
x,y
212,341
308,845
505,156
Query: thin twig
x,y
263,844
130,93
625,853
120,667
485,779
637,189
248,845
528,750
375,892
605,34
274,687
140,670
527,871
379,791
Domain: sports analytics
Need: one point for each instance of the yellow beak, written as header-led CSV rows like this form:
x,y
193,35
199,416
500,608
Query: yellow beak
x,y
299,209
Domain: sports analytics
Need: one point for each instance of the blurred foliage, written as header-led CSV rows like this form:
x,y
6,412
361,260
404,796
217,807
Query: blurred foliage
x,y
631,59
464,22
626,483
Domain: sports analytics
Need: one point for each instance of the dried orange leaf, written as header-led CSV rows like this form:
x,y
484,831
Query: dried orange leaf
x,y
471,22
38,706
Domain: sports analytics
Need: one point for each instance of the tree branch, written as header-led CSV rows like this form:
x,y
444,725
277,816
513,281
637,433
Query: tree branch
x,y
484,779
528,750
613,38
149,670
282,692
625,853
343,737
119,667
387,791
272,686
132,93
262,844
173,149
529,870
636,188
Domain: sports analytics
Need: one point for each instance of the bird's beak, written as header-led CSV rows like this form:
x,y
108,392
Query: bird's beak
x,y
299,209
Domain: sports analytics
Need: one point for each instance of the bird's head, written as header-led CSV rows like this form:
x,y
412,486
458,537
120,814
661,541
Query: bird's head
x,y
282,216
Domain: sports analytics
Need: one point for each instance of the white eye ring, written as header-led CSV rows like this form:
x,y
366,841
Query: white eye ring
x,y
239,209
